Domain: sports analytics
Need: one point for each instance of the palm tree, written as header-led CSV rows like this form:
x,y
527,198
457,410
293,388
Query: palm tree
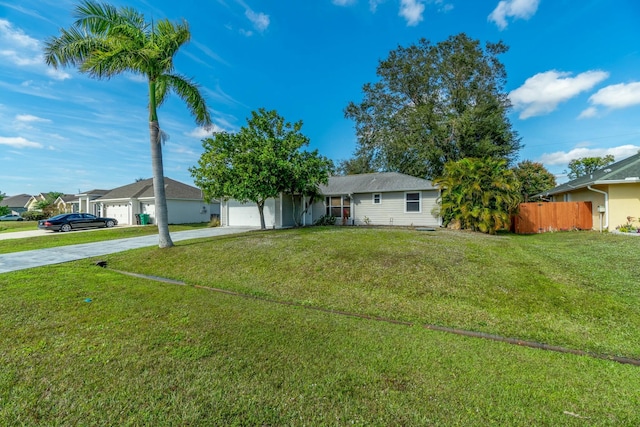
x,y
481,194
105,41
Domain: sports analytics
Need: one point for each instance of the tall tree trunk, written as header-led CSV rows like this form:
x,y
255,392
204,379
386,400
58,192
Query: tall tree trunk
x,y
162,217
261,211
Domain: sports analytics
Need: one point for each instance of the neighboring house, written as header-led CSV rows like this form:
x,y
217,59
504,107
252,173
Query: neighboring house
x,y
85,198
614,192
67,203
377,199
17,204
185,203
34,200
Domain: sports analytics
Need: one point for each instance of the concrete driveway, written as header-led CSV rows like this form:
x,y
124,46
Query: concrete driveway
x,y
40,257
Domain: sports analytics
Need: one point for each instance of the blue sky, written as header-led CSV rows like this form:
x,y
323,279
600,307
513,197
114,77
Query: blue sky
x,y
573,77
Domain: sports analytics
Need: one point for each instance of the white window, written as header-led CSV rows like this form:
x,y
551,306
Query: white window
x,y
338,206
377,198
412,202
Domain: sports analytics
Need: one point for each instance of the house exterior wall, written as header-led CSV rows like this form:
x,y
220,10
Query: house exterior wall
x,y
189,211
286,218
390,211
624,201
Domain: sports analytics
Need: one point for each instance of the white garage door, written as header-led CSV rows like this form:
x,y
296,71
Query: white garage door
x,y
247,215
119,211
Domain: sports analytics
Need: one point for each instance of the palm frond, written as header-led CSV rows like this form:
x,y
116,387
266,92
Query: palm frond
x,y
100,18
72,47
189,92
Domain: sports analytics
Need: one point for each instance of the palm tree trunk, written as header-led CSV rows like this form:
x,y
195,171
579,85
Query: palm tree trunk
x,y
162,217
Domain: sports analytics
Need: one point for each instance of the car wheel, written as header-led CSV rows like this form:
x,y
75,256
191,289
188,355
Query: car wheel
x,y
65,227
109,224
20,219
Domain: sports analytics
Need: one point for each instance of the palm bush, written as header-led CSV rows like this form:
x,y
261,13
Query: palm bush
x,y
479,194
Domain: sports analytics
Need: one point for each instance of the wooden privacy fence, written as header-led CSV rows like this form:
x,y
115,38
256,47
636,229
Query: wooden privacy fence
x,y
552,216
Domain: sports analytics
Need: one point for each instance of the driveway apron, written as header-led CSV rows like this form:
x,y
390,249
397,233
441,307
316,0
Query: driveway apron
x,y
40,257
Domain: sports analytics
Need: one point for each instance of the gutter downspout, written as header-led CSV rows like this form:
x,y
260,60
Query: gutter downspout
x,y
606,206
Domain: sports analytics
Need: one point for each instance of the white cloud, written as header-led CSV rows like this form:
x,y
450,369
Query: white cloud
x,y
24,51
562,158
373,5
19,142
542,93
343,2
211,54
28,118
16,37
588,113
412,11
201,132
260,20
617,96
58,74
517,9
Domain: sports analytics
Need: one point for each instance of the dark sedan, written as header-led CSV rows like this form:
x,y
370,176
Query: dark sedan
x,y
73,221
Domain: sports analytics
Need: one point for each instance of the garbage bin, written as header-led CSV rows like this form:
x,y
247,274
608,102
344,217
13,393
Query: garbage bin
x,y
137,219
144,219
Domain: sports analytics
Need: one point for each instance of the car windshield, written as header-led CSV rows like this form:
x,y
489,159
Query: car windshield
x,y
89,216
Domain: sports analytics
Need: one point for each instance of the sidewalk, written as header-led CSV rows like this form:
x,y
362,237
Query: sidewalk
x,y
40,257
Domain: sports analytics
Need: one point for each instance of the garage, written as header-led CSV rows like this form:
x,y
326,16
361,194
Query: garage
x,y
247,214
119,211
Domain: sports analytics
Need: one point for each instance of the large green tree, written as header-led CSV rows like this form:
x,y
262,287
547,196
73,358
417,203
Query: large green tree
x,y
586,165
4,210
534,178
479,194
434,104
260,161
105,41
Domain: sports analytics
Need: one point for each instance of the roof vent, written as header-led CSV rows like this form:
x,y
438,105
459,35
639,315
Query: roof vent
x,y
607,170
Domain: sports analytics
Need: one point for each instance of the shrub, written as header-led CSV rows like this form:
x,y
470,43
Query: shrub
x,y
34,215
325,220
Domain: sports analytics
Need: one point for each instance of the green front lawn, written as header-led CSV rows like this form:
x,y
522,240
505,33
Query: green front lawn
x,y
55,239
9,226
81,343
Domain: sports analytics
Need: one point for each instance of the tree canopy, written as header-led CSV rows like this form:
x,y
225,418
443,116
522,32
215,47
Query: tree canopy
x,y
586,165
259,162
478,194
434,104
534,178
105,41
47,205
4,210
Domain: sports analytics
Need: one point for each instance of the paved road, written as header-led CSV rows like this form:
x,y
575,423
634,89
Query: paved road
x,y
37,258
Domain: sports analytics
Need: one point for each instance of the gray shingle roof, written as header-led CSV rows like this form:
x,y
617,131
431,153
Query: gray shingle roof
x,y
95,192
623,171
18,201
68,198
144,189
375,183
